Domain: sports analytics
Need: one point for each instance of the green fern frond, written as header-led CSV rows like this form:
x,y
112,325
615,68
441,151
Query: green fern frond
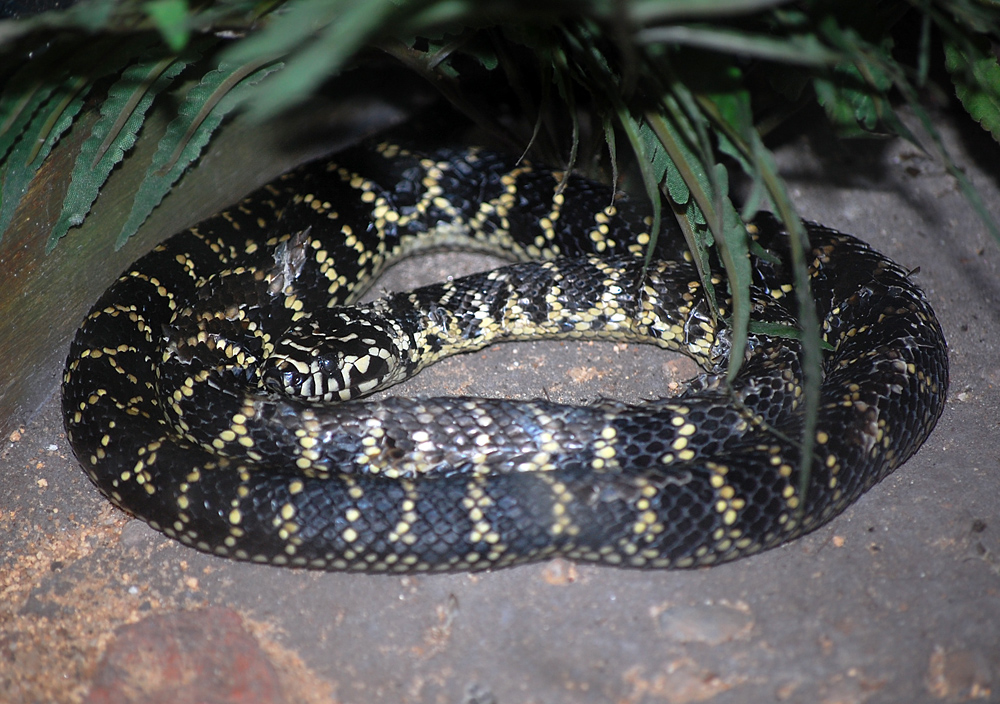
x,y
976,74
114,134
51,107
220,92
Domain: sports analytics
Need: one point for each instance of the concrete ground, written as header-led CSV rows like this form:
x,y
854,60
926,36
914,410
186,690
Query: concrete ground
x,y
898,600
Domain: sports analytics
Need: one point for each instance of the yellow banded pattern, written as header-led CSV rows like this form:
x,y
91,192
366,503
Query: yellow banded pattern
x,y
214,390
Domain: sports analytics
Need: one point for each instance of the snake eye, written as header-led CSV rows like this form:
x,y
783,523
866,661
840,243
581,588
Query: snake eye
x,y
329,366
282,378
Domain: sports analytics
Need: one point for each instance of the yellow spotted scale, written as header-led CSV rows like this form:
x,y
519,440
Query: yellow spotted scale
x,y
214,390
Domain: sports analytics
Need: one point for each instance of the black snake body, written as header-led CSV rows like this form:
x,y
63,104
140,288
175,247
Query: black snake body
x,y
196,392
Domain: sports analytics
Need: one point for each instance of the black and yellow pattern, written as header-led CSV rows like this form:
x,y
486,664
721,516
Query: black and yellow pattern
x,y
198,393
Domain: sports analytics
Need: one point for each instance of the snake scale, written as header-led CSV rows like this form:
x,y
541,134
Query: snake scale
x,y
213,391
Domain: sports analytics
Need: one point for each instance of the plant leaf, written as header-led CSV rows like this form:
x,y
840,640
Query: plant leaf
x,y
170,17
732,244
318,36
53,117
17,106
219,92
649,167
646,11
804,49
812,338
56,114
122,115
854,93
976,76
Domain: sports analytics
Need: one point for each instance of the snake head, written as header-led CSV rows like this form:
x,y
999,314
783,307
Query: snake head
x,y
337,361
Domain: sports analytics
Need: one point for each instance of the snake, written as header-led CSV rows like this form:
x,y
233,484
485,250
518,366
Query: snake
x,y
217,390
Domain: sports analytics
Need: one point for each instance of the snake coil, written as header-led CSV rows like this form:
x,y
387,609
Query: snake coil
x,y
213,390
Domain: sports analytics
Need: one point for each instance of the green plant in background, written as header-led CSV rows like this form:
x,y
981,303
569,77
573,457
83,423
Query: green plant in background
x,y
686,84
679,79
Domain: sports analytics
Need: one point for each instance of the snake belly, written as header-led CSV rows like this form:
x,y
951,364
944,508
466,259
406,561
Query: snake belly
x,y
213,391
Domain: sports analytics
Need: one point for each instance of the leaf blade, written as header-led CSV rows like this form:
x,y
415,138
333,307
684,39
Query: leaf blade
x,y
200,114
113,135
975,74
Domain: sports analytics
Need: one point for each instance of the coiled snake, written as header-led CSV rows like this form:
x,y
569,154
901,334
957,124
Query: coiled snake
x,y
197,391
